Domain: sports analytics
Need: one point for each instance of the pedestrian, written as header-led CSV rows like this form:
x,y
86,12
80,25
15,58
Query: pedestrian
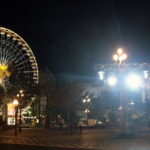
x,y
33,123
80,128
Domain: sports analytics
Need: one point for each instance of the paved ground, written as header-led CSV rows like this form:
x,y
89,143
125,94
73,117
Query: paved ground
x,y
91,139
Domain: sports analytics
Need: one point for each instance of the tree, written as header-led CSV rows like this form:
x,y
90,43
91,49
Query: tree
x,y
105,106
69,100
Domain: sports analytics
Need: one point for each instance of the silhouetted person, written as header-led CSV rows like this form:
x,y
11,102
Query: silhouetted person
x,y
80,128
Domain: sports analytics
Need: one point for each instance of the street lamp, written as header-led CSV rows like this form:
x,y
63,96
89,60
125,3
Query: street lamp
x,y
120,56
20,95
134,81
87,111
16,103
112,81
126,77
87,100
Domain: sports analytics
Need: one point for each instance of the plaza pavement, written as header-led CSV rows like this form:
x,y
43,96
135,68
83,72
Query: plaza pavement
x,y
89,139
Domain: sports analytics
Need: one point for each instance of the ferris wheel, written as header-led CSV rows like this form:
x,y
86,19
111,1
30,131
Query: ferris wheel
x,y
18,66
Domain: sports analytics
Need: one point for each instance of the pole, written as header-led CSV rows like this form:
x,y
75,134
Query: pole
x,y
20,129
16,112
87,120
39,110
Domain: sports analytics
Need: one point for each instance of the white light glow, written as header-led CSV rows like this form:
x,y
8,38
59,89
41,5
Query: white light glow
x,y
84,100
101,75
87,111
112,81
120,51
15,102
115,57
131,103
134,81
88,100
120,108
145,74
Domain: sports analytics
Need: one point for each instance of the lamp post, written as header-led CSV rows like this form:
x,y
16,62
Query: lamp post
x,y
125,77
15,103
86,100
20,95
120,56
87,111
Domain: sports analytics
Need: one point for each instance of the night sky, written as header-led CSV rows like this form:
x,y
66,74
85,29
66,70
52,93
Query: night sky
x,y
70,37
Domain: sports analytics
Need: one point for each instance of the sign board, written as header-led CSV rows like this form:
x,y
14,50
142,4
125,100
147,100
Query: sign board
x,y
11,121
11,114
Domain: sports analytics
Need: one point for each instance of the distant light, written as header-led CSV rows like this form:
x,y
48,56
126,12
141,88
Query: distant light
x,y
84,100
145,74
115,57
112,81
15,102
120,51
88,100
22,95
131,103
120,108
101,75
37,120
100,122
87,96
86,111
21,91
134,81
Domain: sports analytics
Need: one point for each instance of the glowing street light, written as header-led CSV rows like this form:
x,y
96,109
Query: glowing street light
x,y
134,81
20,95
87,111
15,102
120,56
112,81
120,51
84,101
101,75
131,103
115,57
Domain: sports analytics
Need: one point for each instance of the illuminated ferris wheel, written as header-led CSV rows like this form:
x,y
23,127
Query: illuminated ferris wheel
x,y
18,66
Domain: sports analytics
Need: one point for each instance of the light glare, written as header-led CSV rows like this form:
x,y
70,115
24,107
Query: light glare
x,y
15,102
101,75
134,81
115,57
120,51
112,81
146,74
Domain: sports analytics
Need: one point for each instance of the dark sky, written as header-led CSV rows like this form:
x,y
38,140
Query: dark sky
x,y
71,36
